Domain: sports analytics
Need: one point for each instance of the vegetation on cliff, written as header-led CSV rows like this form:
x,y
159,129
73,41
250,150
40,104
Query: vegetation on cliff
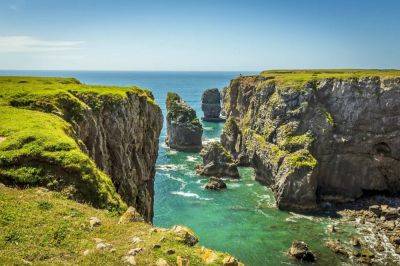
x,y
38,145
304,130
298,78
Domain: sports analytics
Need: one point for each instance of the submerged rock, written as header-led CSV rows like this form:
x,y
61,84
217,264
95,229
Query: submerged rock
x,y
211,105
217,162
300,251
184,130
215,183
328,139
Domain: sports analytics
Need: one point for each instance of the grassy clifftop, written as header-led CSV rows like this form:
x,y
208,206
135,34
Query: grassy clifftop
x,y
37,142
297,78
45,228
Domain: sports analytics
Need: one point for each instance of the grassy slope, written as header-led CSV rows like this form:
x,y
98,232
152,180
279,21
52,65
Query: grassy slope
x,y
37,146
46,228
297,78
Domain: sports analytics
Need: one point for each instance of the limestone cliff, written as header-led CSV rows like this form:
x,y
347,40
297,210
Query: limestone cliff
x,y
317,136
95,144
123,141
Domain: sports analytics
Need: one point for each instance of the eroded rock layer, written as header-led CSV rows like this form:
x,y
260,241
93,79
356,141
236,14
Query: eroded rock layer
x,y
316,137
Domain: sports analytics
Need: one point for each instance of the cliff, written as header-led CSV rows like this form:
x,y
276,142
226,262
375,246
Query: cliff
x,y
96,144
184,130
317,135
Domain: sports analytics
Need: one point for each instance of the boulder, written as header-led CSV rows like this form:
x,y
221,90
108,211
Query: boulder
x,y
300,251
215,183
94,222
130,216
217,162
184,130
161,262
185,235
211,105
230,261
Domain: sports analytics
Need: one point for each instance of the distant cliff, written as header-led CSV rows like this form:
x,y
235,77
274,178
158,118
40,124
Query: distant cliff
x,y
95,144
316,136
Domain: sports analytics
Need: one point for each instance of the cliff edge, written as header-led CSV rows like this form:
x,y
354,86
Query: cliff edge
x,y
95,144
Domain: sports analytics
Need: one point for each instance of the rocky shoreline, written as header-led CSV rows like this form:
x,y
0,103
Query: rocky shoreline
x,y
377,223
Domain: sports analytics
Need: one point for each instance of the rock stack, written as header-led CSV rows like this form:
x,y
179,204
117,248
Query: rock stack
x,y
217,162
184,130
211,105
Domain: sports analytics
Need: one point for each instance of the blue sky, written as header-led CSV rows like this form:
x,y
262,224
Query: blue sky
x,y
199,35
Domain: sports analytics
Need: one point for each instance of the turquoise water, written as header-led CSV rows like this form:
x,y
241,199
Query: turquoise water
x,y
241,220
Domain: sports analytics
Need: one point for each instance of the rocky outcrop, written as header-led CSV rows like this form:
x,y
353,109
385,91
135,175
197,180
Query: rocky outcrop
x,y
300,251
217,162
211,105
215,183
184,130
313,138
122,138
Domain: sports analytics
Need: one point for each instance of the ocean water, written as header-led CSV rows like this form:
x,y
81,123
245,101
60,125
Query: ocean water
x,y
242,220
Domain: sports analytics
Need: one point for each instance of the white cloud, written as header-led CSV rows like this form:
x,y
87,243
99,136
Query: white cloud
x,y
21,44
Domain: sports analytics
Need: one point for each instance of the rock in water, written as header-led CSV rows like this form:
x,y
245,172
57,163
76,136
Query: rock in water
x,y
217,162
300,251
211,105
321,139
215,183
184,130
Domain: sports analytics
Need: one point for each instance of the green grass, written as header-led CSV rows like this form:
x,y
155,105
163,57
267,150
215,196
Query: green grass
x,y
298,78
45,228
37,143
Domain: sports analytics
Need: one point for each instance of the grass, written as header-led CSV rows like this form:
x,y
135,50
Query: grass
x,y
37,142
298,78
45,228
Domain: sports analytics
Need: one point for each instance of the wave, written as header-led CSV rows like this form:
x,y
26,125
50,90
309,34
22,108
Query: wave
x,y
191,158
206,141
189,195
207,128
234,185
170,167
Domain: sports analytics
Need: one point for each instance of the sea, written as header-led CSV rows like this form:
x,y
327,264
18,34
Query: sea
x,y
242,220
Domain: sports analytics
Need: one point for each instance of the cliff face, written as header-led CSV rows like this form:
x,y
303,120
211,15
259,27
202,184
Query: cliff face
x,y
123,141
94,144
184,130
327,138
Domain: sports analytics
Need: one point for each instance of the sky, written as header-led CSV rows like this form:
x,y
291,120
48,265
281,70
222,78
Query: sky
x,y
203,35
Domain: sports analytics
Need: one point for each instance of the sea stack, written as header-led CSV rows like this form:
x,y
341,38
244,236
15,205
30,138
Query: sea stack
x,y
184,130
217,162
211,105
